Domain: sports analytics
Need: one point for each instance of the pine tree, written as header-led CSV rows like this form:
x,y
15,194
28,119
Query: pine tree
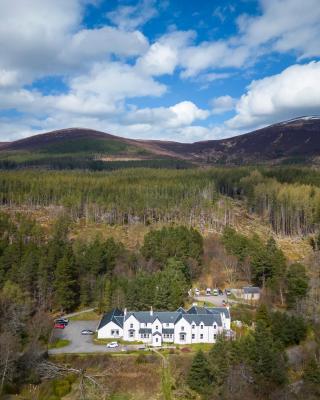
x,y
297,284
65,282
199,378
266,358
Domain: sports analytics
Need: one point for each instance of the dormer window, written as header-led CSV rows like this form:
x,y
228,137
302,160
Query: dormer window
x,y
167,324
201,326
193,326
157,327
214,326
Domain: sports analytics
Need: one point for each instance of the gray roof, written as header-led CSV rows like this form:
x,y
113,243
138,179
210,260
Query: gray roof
x,y
145,330
207,315
156,333
162,316
220,310
198,310
168,330
206,319
251,289
114,315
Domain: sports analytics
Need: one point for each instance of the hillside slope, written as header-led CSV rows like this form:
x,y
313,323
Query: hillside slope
x,y
296,140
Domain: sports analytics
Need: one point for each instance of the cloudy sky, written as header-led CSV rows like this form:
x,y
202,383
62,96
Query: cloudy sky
x,y
182,70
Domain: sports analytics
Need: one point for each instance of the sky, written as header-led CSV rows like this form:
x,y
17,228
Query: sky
x,y
184,70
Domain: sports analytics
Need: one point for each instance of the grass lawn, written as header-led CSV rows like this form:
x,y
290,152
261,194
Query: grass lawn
x,y
106,341
205,347
57,344
87,316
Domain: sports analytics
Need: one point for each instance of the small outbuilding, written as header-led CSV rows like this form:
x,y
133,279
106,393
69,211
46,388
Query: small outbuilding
x,y
251,293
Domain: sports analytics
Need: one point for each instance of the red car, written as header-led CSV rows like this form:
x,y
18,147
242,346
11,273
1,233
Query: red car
x,y
59,326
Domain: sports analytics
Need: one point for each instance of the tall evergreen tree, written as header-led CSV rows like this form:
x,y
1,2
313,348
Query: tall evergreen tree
x,y
65,282
199,378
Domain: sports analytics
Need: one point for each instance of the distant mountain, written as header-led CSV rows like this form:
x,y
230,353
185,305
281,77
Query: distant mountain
x,y
291,141
296,140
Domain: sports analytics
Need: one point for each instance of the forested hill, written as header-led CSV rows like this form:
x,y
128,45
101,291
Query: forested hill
x,y
294,141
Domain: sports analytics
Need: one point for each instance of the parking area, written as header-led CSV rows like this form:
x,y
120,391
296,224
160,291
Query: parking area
x,y
216,300
83,343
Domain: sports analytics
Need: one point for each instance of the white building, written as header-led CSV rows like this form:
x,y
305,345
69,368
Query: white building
x,y
197,325
251,293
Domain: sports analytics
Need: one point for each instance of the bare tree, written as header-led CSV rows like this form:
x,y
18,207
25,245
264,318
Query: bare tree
x,y
8,356
89,386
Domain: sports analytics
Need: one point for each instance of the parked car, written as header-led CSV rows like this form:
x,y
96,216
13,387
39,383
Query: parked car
x,y
215,292
87,332
112,345
63,321
228,292
197,292
220,292
59,326
208,292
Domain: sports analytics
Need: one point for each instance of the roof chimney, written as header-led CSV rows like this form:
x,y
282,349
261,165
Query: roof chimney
x,y
151,311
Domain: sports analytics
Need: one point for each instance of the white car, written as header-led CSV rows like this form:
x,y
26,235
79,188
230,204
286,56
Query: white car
x,y
208,292
112,345
197,292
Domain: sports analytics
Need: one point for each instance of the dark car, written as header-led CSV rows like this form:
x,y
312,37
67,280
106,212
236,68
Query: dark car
x,y
220,292
87,332
63,321
59,326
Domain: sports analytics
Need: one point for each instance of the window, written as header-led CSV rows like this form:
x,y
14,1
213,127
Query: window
x,y
131,334
214,336
167,324
182,328
201,326
157,327
114,332
157,339
193,326
131,326
201,336
214,326
193,336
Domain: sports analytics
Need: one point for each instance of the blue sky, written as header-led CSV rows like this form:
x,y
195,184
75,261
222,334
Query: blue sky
x,y
182,70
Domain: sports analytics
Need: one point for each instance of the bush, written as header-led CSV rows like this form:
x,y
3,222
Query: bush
x,y
62,387
141,359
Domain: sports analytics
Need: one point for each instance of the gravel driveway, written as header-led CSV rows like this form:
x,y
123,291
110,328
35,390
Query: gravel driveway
x,y
83,343
216,300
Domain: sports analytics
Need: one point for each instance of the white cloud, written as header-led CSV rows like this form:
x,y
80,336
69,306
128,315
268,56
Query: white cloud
x,y
131,17
295,91
44,37
179,115
217,55
105,86
163,56
285,25
222,104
